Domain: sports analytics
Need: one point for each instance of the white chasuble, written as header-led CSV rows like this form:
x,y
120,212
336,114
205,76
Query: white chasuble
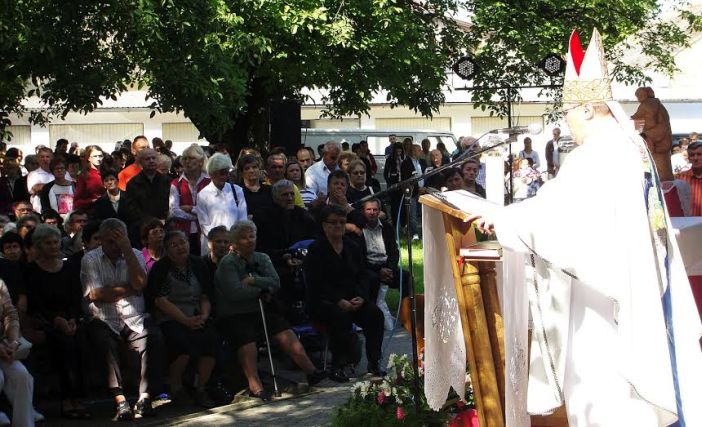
x,y
595,297
444,348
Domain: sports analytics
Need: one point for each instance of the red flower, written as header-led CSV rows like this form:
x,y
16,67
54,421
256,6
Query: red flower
x,y
400,413
381,398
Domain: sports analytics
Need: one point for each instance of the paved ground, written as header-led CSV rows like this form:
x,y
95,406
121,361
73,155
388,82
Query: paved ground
x,y
299,406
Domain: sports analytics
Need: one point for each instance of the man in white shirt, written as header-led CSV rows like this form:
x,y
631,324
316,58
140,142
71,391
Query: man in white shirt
x,y
37,178
316,175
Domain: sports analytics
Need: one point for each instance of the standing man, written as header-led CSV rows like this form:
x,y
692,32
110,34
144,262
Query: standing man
x,y
304,157
147,194
140,143
114,278
553,154
616,332
392,139
41,176
693,177
316,175
414,165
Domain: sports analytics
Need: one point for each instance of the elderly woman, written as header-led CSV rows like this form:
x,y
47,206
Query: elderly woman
x,y
244,277
180,285
258,194
294,173
17,383
338,289
357,182
280,227
54,302
89,184
152,232
183,197
220,202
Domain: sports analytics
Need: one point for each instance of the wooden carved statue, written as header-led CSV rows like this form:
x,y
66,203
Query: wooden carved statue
x,y
656,130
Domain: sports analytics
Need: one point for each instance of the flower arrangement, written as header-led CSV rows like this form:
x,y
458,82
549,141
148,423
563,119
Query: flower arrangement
x,y
390,401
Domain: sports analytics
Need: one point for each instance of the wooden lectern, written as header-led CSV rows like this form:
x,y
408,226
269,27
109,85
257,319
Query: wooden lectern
x,y
481,317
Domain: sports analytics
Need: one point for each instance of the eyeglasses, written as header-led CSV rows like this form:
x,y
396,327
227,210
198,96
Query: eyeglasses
x,y
358,172
287,194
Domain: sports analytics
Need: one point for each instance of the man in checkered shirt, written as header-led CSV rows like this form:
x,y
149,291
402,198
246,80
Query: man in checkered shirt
x,y
113,277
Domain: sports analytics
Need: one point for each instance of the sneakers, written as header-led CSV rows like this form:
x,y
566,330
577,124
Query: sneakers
x,y
203,399
315,377
124,412
338,375
143,408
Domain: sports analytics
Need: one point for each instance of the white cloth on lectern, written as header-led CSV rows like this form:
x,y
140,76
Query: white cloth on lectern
x,y
444,348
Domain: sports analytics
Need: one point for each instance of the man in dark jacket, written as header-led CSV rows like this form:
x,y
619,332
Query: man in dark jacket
x,y
414,165
146,195
382,255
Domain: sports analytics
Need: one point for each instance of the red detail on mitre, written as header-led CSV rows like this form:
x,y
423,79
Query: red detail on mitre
x,y
577,53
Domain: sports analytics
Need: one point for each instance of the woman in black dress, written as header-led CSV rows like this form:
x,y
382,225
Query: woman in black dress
x,y
54,301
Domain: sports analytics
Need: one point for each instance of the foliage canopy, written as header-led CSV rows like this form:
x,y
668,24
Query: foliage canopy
x,y
221,62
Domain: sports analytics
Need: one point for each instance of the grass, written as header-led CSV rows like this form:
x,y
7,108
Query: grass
x,y
393,295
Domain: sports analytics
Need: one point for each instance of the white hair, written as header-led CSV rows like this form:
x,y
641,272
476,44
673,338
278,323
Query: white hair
x,y
217,162
195,151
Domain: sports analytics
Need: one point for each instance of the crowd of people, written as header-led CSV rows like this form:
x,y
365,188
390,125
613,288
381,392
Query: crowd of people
x,y
173,257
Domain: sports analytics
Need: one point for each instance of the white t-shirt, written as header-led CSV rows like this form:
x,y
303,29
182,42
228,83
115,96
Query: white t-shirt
x,y
61,199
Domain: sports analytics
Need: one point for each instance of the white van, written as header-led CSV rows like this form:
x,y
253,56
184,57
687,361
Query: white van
x,y
377,139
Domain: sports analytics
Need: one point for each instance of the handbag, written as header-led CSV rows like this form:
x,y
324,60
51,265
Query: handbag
x,y
23,348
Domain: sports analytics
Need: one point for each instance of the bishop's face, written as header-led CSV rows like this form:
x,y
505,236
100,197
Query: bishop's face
x,y
576,118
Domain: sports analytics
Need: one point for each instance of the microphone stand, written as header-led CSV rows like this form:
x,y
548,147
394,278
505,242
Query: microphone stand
x,y
407,187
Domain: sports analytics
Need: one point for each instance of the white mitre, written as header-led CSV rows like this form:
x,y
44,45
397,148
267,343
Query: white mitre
x,y
587,77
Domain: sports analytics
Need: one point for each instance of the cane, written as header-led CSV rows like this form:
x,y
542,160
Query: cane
x,y
268,345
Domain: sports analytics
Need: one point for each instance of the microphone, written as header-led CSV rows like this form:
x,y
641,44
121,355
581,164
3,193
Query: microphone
x,y
533,129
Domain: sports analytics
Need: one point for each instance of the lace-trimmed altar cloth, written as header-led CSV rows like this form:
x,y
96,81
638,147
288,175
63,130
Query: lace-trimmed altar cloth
x,y
444,350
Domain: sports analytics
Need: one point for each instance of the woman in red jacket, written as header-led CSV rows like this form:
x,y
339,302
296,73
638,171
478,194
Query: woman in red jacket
x,y
89,185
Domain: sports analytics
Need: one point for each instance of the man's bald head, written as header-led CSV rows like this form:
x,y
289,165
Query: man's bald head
x,y
148,160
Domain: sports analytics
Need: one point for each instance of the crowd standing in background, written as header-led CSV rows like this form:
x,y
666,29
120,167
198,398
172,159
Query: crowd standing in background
x,y
171,256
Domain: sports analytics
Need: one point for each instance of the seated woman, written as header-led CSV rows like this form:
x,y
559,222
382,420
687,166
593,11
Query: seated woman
x,y
15,381
338,290
54,303
244,277
180,285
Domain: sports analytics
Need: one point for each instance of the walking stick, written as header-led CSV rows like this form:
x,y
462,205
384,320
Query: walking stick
x,y
268,346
